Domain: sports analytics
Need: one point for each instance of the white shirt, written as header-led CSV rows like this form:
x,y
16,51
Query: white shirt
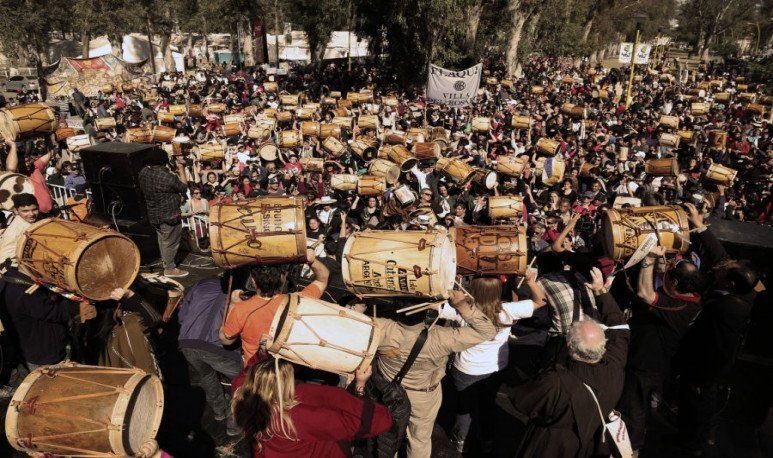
x,y
8,240
492,355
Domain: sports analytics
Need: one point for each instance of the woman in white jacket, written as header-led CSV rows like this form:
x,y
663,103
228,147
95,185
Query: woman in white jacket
x,y
474,366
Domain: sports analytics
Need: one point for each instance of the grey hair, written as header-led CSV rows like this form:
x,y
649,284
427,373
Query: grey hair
x,y
580,350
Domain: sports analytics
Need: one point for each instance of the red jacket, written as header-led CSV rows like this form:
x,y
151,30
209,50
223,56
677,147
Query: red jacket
x,y
326,419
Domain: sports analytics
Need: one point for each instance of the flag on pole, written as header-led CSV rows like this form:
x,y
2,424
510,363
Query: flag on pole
x,y
642,53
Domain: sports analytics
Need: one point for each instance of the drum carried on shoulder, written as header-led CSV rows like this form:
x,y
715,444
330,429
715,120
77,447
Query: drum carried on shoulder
x,y
625,229
399,264
77,257
77,410
490,250
266,230
24,120
720,174
505,207
324,336
456,169
668,166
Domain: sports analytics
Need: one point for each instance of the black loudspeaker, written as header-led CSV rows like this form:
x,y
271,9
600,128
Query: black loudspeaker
x,y
112,170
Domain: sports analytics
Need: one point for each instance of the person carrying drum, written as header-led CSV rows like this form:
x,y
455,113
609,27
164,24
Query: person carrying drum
x,y
422,381
25,212
250,318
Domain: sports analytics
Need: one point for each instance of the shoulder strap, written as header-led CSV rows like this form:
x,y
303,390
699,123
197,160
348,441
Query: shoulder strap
x,y
417,346
601,414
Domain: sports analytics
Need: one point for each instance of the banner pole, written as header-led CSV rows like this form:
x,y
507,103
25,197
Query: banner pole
x,y
633,66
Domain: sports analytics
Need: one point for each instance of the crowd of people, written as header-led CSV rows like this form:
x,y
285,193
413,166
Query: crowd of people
x,y
554,354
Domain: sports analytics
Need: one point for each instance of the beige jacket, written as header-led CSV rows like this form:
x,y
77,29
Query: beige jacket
x,y
430,366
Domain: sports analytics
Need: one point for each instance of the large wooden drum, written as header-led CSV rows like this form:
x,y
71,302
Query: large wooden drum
x,y
521,122
12,184
720,174
368,122
177,110
265,230
284,116
363,150
371,185
511,166
211,152
490,250
505,207
63,133
400,155
138,135
671,122
551,170
344,182
304,114
399,264
699,108
418,134
456,169
76,410
625,229
548,146
164,134
231,129
234,119
717,139
290,99
667,166
216,108
669,140
261,132
79,258
484,177
329,130
426,150
481,124
78,142
686,136
103,124
25,120
310,129
344,122
289,139
333,146
323,336
723,97
394,137
384,168
165,116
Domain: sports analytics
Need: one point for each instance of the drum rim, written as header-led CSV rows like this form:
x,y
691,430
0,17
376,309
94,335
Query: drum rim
x,y
103,236
518,232
12,415
8,205
119,438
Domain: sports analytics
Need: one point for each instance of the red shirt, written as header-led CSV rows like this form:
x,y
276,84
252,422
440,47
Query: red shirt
x,y
326,419
42,194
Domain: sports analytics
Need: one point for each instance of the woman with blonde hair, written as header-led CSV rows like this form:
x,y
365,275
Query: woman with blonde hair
x,y
285,419
473,367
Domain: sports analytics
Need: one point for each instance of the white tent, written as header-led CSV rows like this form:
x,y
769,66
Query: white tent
x,y
341,45
135,49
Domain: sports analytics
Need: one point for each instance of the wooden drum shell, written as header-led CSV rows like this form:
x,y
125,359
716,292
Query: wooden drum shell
x,y
626,229
490,250
85,411
505,207
79,258
266,230
718,173
26,120
399,264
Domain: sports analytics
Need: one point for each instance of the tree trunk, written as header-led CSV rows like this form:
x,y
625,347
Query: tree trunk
x,y
116,44
152,55
247,45
518,19
85,44
587,29
471,34
166,49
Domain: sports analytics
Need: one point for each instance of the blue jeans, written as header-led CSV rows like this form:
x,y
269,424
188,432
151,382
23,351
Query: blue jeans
x,y
473,397
208,365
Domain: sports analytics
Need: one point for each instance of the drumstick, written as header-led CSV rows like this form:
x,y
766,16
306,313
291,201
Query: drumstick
x,y
462,289
418,307
531,263
228,299
411,307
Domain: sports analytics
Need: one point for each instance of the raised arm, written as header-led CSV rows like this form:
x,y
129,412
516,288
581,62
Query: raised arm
x,y
645,289
12,160
479,330
558,244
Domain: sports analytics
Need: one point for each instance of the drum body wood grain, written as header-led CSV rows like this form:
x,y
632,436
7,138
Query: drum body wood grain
x,y
211,152
289,139
490,250
177,110
667,166
234,119
322,335
104,123
231,129
368,122
216,108
266,231
718,139
481,124
521,122
671,122
26,120
399,264
78,142
547,146
164,134
138,135
394,137
333,146
79,258
312,164
456,169
310,129
505,207
11,184
626,229
63,133
418,134
511,166
371,185
344,122
718,173
329,130
426,150
385,168
344,182
76,410
363,150
400,155
670,140
261,132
